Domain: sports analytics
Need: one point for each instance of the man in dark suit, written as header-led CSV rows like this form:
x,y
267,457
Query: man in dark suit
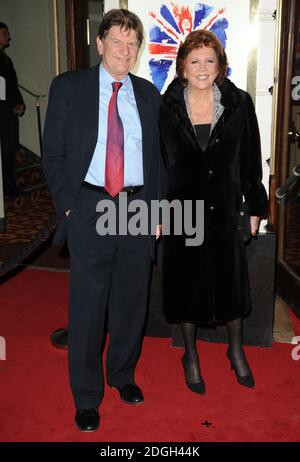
x,y
10,108
101,138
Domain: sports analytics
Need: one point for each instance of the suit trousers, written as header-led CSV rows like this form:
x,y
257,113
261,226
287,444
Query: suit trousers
x,y
109,279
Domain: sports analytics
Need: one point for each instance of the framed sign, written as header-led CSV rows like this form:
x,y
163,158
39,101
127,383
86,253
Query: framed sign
x,y
168,22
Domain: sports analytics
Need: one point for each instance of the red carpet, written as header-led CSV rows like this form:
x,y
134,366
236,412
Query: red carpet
x,y
36,403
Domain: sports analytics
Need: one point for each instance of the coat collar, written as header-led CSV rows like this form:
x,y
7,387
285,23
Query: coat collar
x,y
174,101
229,92
218,107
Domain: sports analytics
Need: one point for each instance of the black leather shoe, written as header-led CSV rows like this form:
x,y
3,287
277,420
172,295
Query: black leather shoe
x,y
130,394
87,420
196,387
247,380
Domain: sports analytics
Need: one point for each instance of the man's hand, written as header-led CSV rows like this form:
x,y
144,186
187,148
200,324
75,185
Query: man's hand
x,y
254,223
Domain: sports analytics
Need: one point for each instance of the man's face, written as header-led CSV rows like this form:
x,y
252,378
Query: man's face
x,y
4,38
119,50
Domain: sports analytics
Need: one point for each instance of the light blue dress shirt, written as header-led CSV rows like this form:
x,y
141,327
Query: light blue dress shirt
x,y
133,154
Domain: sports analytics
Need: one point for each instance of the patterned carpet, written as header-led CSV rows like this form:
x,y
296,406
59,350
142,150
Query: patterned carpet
x,y
27,214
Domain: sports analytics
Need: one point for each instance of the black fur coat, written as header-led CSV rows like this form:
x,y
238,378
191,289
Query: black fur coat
x,y
209,283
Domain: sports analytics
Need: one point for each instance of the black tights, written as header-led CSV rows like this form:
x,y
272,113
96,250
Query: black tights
x,y
188,330
234,330
238,358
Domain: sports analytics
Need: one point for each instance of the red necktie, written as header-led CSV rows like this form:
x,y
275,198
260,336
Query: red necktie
x,y
114,164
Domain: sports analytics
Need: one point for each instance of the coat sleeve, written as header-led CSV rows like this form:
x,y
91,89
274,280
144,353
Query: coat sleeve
x,y
16,97
251,166
54,151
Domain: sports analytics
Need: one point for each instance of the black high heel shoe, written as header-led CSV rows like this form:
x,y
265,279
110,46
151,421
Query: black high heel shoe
x,y
247,380
197,387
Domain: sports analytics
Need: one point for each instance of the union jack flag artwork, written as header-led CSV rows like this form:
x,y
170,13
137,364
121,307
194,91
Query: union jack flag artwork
x,y
171,26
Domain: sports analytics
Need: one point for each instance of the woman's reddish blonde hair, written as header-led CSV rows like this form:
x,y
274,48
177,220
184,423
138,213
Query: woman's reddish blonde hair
x,y
198,39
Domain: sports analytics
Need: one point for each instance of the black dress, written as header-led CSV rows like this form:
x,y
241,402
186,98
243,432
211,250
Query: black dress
x,y
202,133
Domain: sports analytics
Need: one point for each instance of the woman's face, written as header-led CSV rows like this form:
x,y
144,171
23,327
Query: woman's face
x,y
202,68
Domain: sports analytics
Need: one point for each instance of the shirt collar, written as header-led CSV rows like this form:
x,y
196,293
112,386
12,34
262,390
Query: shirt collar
x,y
106,79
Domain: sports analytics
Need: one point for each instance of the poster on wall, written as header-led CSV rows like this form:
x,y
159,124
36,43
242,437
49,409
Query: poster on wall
x,y
167,23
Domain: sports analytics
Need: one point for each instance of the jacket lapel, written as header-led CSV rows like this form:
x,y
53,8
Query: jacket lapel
x,y
88,115
145,114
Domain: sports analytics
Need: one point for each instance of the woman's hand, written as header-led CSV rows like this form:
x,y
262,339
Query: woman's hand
x,y
19,109
254,223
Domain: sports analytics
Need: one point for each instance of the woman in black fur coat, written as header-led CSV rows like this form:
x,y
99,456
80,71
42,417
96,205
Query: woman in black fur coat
x,y
211,149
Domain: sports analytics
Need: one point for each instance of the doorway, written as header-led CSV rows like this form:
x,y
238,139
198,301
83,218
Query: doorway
x,y
83,18
287,157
